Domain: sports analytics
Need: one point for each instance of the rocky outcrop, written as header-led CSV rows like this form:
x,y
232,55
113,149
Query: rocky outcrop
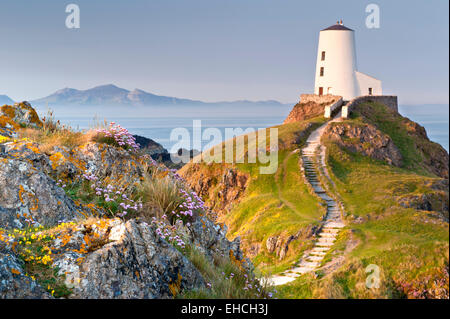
x,y
123,260
310,106
304,111
156,151
105,160
233,184
101,160
150,146
86,254
365,139
279,245
436,158
436,199
14,283
423,154
211,239
220,192
28,196
271,244
22,114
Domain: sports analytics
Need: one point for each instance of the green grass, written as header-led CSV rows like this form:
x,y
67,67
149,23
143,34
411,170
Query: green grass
x,y
277,204
225,279
409,246
390,123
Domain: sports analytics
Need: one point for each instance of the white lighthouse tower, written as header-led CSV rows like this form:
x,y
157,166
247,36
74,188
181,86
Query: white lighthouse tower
x,y
336,67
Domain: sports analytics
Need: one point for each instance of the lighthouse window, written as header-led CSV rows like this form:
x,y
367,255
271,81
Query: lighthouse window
x,y
370,91
321,71
323,55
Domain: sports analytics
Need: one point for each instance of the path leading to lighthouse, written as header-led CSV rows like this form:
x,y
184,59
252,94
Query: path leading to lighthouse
x,y
313,167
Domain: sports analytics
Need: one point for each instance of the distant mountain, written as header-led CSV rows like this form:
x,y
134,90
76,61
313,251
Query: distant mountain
x,y
5,100
111,95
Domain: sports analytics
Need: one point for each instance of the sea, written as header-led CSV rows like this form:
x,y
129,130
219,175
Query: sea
x,y
157,123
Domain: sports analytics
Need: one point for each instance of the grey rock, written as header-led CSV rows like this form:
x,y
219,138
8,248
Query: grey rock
x,y
14,283
211,239
367,140
133,263
271,244
27,194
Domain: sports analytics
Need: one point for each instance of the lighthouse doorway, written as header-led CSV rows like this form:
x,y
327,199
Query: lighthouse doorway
x,y
320,90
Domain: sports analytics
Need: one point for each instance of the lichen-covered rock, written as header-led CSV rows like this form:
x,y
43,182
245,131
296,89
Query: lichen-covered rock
x,y
116,259
271,244
303,111
211,239
222,192
22,114
101,160
29,152
365,139
280,244
105,160
29,196
7,129
435,199
14,283
94,257
310,106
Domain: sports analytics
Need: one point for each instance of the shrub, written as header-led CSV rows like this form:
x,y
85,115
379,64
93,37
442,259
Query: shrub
x,y
53,133
159,193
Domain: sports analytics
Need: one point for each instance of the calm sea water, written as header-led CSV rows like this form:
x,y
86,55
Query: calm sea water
x,y
157,123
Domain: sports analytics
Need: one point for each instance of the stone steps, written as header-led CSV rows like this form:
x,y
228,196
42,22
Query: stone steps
x,y
330,230
302,270
315,258
321,249
324,196
327,235
312,259
326,239
310,264
324,244
334,225
317,253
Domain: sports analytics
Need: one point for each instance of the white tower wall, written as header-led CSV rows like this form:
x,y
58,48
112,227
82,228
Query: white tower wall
x,y
339,68
339,64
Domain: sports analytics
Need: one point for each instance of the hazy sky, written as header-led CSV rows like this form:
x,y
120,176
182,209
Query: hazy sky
x,y
217,49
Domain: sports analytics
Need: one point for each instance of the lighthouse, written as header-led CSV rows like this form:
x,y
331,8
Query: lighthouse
x,y
336,68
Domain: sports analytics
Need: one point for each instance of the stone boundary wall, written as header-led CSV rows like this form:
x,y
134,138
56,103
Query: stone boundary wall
x,y
319,99
388,100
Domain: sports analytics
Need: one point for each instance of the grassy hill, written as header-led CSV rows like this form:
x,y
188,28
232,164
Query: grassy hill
x,y
272,205
397,215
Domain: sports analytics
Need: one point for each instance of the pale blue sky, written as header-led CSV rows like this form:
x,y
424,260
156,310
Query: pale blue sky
x,y
217,49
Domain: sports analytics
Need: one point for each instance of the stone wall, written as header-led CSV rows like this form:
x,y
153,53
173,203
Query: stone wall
x,y
388,100
319,99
